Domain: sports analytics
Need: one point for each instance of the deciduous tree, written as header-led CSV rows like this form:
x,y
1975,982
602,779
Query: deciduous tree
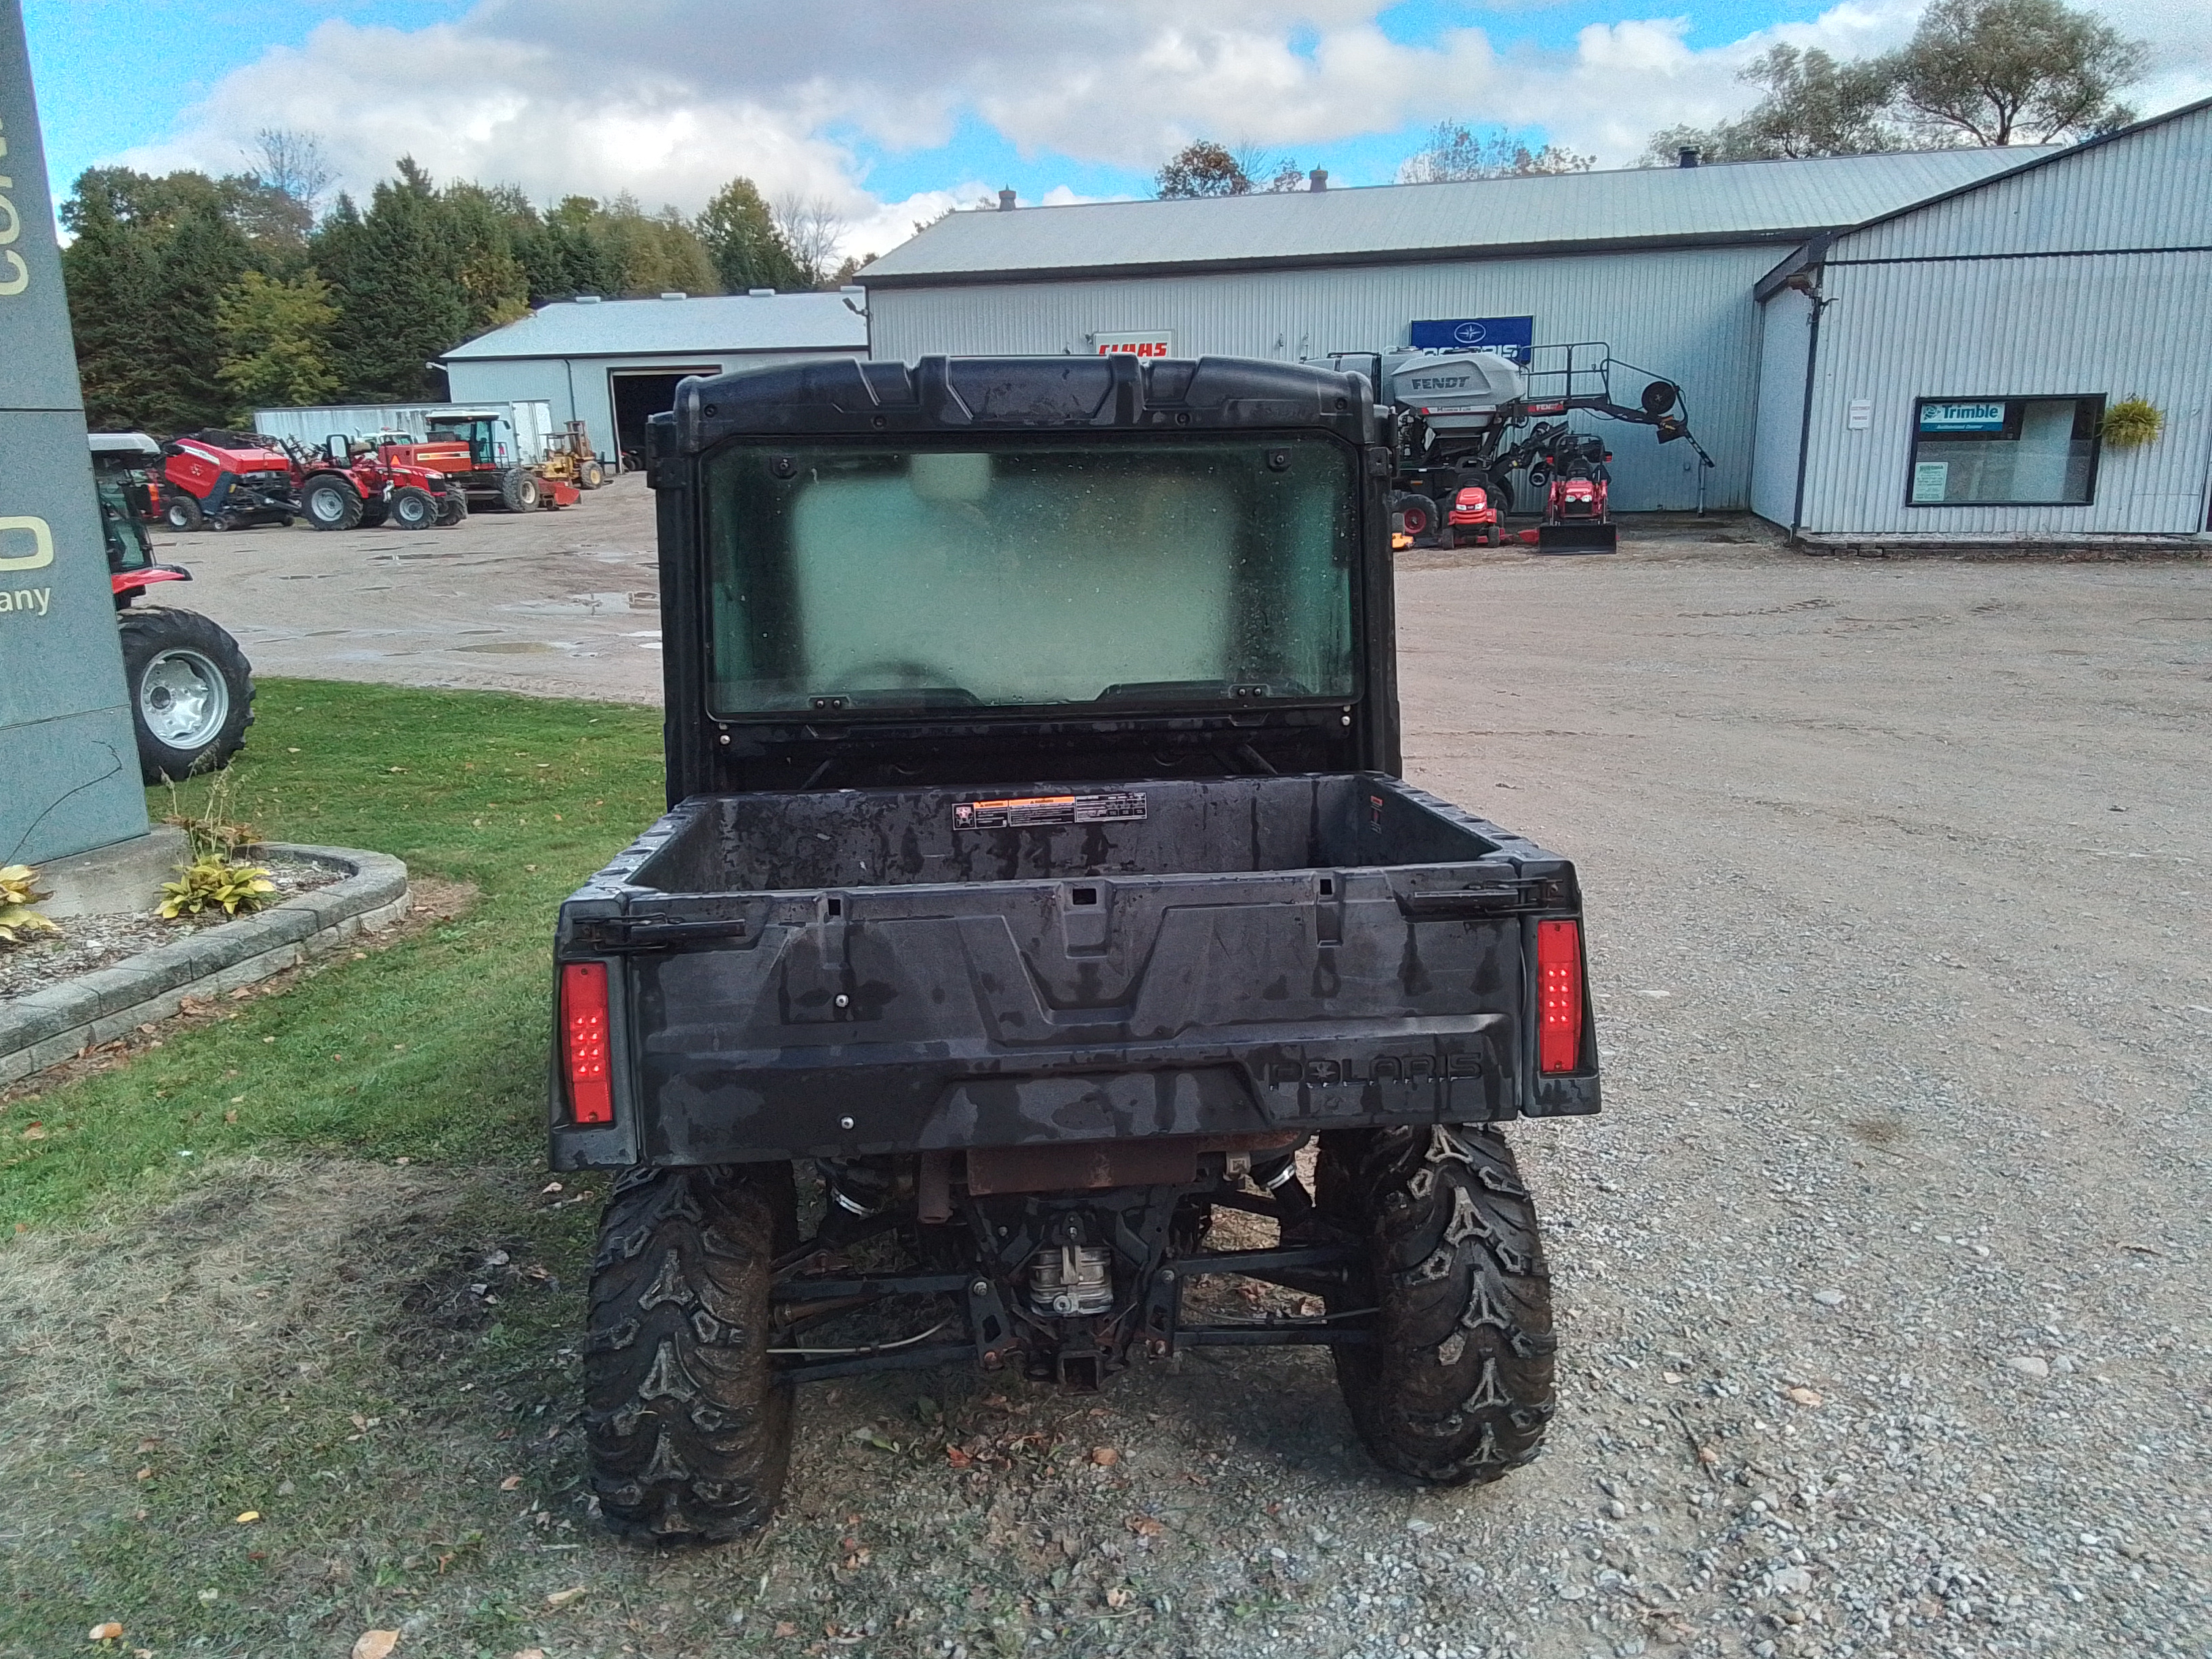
x,y
1455,152
275,338
1992,71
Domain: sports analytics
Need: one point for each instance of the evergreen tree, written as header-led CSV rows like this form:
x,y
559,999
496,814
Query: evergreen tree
x,y
397,270
740,236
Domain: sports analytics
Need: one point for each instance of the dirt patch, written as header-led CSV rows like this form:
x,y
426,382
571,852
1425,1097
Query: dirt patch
x,y
432,901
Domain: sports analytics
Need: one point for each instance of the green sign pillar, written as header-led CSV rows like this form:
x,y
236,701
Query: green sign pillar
x,y
69,761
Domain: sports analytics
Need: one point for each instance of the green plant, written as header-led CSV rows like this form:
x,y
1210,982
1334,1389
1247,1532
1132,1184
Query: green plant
x,y
2132,422
19,891
211,880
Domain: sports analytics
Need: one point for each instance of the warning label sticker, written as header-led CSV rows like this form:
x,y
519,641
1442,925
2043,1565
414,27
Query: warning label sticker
x,y
1117,806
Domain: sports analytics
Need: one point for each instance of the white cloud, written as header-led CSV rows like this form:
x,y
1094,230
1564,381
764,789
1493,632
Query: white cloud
x,y
669,98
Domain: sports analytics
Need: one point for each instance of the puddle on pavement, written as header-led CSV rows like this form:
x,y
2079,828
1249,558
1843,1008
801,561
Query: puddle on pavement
x,y
514,647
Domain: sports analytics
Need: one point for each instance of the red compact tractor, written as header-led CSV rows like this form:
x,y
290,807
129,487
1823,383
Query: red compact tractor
x,y
376,481
517,489
190,688
226,480
1575,520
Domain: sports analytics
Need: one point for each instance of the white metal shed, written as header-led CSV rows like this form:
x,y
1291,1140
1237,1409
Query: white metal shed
x,y
1941,373
1657,262
613,363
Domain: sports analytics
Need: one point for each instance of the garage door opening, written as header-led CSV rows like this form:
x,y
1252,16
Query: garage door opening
x,y
638,396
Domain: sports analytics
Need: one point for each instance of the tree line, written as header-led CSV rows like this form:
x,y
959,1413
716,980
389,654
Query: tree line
x,y
196,300
1986,72
1975,72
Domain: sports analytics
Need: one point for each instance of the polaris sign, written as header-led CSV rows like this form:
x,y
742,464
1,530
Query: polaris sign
x,y
1509,337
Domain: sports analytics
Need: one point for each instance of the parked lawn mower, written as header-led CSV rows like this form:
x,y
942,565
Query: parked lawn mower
x,y
350,484
225,481
190,688
1470,518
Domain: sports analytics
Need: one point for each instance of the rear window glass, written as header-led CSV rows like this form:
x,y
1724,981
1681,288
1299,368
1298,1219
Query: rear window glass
x,y
847,578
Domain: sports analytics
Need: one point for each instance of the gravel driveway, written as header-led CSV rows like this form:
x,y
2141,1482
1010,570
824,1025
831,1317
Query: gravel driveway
x,y
1882,1278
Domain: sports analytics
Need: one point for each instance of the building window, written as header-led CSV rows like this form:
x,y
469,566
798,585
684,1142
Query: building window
x,y
2004,452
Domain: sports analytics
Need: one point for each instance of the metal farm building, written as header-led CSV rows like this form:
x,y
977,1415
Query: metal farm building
x,y
1943,373
1658,262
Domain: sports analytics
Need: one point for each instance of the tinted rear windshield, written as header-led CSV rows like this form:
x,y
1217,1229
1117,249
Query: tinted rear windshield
x,y
851,578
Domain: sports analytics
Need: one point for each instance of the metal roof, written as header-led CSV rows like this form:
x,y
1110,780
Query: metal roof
x,y
705,326
1724,203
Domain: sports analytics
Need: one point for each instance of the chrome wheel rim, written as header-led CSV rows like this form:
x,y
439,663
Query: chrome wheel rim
x,y
183,699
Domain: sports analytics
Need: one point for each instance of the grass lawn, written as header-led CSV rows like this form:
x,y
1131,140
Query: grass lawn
x,y
319,1377
434,1050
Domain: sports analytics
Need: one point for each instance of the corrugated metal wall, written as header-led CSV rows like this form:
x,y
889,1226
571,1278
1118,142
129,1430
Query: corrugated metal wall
x,y
1687,314
2150,189
1783,335
2121,325
577,387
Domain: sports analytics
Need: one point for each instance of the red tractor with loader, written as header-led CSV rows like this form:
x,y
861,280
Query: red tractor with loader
x,y
190,688
225,481
358,482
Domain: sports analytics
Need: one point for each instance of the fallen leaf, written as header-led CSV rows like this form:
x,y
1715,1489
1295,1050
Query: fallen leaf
x,y
958,1459
1144,1526
531,1653
549,1186
1104,1456
146,1474
786,1629
1117,1597
1708,1456
230,1116
1804,1397
250,1516
562,1598
110,1632
374,1643
510,1483
35,1132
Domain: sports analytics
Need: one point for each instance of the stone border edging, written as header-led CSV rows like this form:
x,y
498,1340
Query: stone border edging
x,y
44,1028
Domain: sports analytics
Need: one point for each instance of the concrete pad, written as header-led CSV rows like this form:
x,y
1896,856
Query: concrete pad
x,y
110,881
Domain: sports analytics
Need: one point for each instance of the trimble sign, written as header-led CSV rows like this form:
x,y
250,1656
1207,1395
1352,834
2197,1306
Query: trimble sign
x,y
71,759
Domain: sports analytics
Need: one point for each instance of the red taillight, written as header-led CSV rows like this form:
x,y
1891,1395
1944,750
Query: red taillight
x,y
584,1034
1559,995
1473,499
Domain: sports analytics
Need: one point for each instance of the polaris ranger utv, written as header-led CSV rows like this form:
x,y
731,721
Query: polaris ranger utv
x,y
1038,880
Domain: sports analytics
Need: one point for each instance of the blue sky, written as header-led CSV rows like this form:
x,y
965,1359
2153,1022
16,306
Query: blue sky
x,y
891,109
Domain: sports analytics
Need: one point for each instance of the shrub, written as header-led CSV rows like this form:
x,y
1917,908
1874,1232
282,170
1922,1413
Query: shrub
x,y
212,880
19,891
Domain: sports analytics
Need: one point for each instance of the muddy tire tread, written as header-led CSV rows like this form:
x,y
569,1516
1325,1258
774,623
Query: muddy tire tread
x,y
688,1427
1459,1386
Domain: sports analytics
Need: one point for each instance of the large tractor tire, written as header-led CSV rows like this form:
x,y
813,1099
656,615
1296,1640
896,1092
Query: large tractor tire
x,y
453,508
181,512
191,692
519,491
331,503
688,1427
1457,1387
590,475
413,508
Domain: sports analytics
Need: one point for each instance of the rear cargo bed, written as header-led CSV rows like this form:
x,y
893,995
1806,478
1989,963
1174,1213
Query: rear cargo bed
x,y
867,971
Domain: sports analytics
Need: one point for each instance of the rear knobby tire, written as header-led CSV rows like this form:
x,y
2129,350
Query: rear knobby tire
x,y
688,1425
1458,1385
191,691
590,475
519,491
181,512
413,507
331,504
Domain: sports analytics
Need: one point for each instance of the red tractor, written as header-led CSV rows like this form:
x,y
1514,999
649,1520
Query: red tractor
x,y
190,688
376,481
228,480
517,489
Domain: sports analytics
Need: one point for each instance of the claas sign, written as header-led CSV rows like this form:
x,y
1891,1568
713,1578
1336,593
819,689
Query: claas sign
x,y
1158,343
